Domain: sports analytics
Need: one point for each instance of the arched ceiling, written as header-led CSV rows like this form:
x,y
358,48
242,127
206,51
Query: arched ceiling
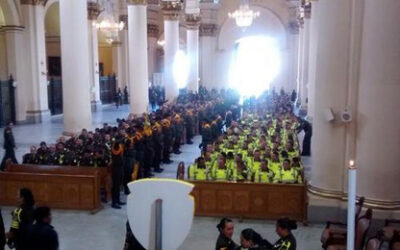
x,y
52,20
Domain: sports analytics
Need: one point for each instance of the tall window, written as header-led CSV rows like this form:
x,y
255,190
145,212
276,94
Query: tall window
x,y
256,63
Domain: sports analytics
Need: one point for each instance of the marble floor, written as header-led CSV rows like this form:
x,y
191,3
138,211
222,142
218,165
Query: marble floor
x,y
105,230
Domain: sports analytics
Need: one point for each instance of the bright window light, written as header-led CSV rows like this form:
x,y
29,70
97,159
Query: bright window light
x,y
181,69
255,65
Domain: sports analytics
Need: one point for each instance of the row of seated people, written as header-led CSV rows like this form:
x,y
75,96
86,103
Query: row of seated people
x,y
148,139
260,149
236,170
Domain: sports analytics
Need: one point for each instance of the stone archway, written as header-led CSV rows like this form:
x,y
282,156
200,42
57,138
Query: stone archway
x,y
268,24
53,55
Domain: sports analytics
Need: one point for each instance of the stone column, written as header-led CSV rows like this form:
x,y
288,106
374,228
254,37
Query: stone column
x,y
152,37
171,12
329,141
35,59
192,41
93,13
312,60
118,63
378,116
18,68
75,65
153,34
303,88
3,59
294,60
123,72
138,66
208,42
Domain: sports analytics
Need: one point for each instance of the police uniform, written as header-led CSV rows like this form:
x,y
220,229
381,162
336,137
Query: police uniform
x,y
30,159
189,126
206,136
158,146
167,138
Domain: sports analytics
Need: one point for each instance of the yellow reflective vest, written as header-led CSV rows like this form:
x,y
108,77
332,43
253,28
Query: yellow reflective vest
x,y
289,176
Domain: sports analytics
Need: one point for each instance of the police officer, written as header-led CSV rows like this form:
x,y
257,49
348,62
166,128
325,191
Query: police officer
x,y
9,146
129,161
42,152
206,135
60,154
284,227
30,158
189,126
158,147
149,152
117,172
167,136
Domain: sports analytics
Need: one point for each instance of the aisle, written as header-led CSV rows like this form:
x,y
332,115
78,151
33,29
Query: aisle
x,y
188,155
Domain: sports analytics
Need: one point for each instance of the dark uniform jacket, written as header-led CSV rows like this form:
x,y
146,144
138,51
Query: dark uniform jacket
x,y
2,232
42,236
30,159
224,243
9,142
285,243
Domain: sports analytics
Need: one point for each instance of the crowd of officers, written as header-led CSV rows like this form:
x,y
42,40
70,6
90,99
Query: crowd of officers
x,y
144,141
260,147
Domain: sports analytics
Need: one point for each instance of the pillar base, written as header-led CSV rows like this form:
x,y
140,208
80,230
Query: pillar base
x,y
96,105
321,210
38,116
331,205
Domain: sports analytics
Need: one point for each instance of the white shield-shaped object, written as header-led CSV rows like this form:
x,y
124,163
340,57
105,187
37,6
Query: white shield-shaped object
x,y
177,211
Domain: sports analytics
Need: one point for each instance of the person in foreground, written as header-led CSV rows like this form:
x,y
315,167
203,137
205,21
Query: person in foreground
x,y
284,227
41,235
251,240
224,241
22,218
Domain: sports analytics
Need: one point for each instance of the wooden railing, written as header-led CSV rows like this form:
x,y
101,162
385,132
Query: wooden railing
x,y
66,187
250,200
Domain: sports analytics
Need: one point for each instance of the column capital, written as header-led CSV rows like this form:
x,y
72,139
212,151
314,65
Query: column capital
x,y
34,2
171,9
192,21
136,2
208,29
152,30
294,27
124,19
93,9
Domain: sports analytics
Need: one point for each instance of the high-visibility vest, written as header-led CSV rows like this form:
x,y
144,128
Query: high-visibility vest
x,y
200,174
220,174
16,218
263,176
255,166
274,166
192,170
293,154
289,175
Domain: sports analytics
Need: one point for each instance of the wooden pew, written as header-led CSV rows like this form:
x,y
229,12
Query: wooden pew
x,y
250,200
61,190
55,169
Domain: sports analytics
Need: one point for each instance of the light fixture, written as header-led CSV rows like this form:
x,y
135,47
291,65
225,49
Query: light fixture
x,y
106,23
244,16
161,43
